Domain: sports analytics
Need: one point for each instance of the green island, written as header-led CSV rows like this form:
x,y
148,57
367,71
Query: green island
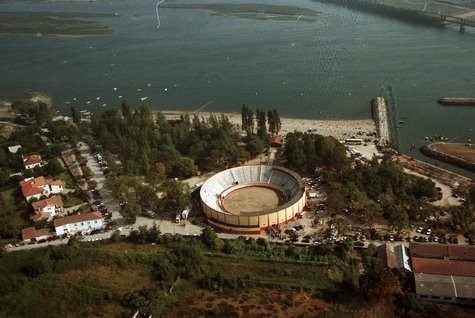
x,y
54,23
252,11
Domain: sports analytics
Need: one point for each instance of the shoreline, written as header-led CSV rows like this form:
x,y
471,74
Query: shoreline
x,y
339,128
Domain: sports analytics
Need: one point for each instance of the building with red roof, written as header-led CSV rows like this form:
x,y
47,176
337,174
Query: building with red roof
x,y
81,222
30,233
46,208
444,273
38,187
31,161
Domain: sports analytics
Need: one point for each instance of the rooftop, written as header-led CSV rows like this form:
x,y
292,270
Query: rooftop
x,y
80,217
443,266
453,252
31,159
55,200
32,186
30,233
445,285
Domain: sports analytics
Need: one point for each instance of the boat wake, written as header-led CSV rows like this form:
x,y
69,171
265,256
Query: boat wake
x,y
156,11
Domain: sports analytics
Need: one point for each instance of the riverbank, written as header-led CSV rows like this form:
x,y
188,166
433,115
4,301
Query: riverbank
x,y
340,129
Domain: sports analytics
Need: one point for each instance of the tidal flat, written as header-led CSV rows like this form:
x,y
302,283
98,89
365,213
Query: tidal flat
x,y
54,23
252,11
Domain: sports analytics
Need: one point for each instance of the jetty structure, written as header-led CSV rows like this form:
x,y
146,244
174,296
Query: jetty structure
x,y
458,154
457,101
382,118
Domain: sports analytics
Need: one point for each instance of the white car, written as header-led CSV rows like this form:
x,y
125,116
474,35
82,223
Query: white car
x,y
429,231
419,229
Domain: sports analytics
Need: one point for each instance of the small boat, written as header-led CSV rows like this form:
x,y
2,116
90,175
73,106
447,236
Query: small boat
x,y
120,96
68,102
98,97
165,89
149,84
74,98
104,105
115,88
398,126
143,98
401,122
139,89
88,102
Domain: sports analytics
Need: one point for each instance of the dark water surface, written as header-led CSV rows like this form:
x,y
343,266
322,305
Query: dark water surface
x,y
197,61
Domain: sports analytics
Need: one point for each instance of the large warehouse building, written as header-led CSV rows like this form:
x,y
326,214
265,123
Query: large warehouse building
x,y
444,273
249,199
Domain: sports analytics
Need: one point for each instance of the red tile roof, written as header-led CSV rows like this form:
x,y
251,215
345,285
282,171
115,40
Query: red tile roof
x,y
55,200
77,218
40,216
443,267
31,159
32,186
453,252
31,232
55,182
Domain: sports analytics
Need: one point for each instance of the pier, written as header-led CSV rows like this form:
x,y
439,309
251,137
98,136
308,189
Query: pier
x,y
457,101
382,118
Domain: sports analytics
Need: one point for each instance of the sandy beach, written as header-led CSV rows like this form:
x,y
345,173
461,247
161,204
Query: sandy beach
x,y
340,129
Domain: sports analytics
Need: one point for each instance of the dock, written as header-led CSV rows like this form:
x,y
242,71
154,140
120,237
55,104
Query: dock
x,y
382,118
457,101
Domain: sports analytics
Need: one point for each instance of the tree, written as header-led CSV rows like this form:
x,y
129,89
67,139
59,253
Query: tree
x,y
184,168
463,217
76,115
398,218
255,146
146,197
471,195
210,239
273,119
261,120
247,118
176,197
423,188
53,168
371,213
277,121
130,211
342,225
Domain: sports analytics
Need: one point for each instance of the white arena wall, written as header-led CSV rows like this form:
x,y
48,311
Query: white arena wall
x,y
218,186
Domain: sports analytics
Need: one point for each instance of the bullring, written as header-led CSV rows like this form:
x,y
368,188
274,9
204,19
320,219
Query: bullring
x,y
249,199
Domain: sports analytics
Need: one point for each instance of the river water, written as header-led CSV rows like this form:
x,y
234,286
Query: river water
x,y
196,61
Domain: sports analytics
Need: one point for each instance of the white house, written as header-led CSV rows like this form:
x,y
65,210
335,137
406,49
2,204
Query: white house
x,y
37,187
46,208
31,161
81,222
30,233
